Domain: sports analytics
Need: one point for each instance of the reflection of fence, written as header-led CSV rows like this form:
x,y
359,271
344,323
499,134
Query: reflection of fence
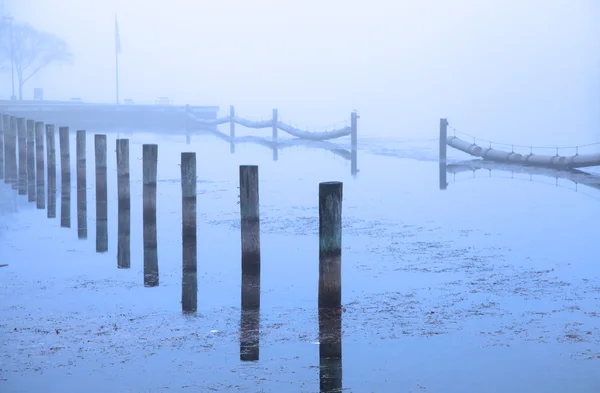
x,y
517,154
29,180
533,174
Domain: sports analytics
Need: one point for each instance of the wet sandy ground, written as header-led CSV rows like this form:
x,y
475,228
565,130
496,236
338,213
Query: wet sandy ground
x,y
485,287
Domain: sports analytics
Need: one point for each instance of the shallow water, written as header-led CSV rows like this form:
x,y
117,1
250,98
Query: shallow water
x,y
488,286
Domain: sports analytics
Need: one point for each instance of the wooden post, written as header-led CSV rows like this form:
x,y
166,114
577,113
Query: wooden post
x,y
10,149
149,162
189,283
81,186
330,349
249,209
443,139
3,131
65,178
31,161
354,143
124,205
231,129
330,244
249,335
51,158
40,191
101,194
22,156
275,120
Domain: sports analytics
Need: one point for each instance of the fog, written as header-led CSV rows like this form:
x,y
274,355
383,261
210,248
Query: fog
x,y
511,70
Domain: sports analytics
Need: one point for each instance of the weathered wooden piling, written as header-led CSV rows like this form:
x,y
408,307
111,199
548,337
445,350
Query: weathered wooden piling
x,y
330,349
81,185
51,159
443,139
249,335
250,225
330,244
3,131
31,161
65,177
353,143
10,145
101,194
124,205
21,129
231,129
149,162
40,186
189,283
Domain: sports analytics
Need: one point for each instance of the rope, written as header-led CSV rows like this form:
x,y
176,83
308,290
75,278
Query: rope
x,y
512,146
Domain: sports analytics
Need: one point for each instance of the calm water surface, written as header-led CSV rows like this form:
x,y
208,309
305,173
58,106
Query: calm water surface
x,y
491,285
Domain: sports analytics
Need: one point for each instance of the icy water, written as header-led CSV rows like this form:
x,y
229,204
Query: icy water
x,y
491,285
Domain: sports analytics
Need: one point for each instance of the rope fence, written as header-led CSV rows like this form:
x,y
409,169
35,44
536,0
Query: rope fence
x,y
523,149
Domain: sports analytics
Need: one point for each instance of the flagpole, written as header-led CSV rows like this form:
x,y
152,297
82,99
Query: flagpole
x,y
117,44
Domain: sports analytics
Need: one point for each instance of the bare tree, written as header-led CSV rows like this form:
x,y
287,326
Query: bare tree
x,y
32,51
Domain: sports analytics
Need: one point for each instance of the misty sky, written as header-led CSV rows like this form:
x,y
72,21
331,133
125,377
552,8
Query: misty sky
x,y
517,70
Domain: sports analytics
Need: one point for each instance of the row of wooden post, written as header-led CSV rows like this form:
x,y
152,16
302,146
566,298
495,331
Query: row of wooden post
x,y
29,178
330,218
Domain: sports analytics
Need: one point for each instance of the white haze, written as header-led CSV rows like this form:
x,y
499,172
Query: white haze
x,y
523,71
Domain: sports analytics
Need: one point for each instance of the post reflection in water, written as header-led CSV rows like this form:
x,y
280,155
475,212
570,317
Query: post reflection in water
x,y
249,334
443,174
330,350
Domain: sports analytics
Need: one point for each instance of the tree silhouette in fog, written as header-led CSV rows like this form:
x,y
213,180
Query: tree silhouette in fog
x,y
32,51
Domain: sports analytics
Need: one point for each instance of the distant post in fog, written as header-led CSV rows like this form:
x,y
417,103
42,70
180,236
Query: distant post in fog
x,y
101,194
124,205
81,186
149,163
40,178
189,283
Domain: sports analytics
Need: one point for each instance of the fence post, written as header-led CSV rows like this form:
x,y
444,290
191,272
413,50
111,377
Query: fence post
x,y
65,178
31,161
250,228
443,139
22,156
353,143
232,129
51,158
39,155
330,244
81,186
149,162
124,205
189,283
101,194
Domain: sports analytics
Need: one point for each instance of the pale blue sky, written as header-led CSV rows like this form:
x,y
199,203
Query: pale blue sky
x,y
510,68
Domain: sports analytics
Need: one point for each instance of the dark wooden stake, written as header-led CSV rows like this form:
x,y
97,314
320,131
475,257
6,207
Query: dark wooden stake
x,y
249,335
330,349
81,186
250,223
330,244
189,283
22,156
51,158
40,185
101,194
65,178
232,129
443,139
124,205
10,149
31,161
149,162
